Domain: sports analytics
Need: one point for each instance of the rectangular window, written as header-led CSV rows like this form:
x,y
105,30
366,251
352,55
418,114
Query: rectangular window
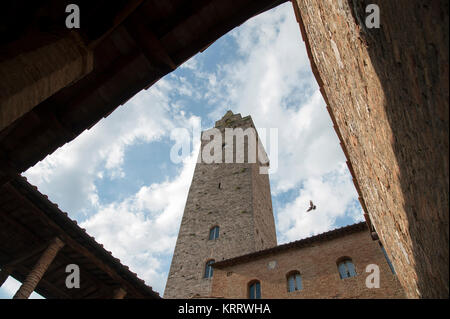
x,y
255,291
351,269
258,291
209,269
291,284
343,271
298,279
214,233
346,269
294,282
252,292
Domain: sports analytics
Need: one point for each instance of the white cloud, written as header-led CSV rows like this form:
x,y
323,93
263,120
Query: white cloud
x,y
140,230
190,64
273,82
69,173
143,228
334,197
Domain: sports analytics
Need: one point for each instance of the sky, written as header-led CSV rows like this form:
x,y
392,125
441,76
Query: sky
x,y
117,179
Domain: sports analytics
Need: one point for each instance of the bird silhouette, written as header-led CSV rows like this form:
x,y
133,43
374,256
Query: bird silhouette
x,y
311,206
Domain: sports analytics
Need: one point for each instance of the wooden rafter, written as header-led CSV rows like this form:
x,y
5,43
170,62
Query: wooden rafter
x,y
76,246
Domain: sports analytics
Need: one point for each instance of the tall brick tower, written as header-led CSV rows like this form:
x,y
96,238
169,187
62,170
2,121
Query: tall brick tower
x,y
228,213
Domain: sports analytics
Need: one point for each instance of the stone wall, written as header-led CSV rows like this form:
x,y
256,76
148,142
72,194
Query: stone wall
x,y
387,93
231,206
317,264
265,233
34,75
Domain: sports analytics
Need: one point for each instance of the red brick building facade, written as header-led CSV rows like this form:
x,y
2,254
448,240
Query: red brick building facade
x,y
315,260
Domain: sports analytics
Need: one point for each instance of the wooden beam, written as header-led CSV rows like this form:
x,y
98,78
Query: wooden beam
x,y
99,285
184,11
20,226
8,168
26,255
77,246
39,269
93,83
84,274
119,293
48,117
73,293
91,293
149,43
237,16
118,19
4,274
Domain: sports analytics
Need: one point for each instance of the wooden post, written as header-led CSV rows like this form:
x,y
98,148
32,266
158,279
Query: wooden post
x,y
39,269
119,293
4,274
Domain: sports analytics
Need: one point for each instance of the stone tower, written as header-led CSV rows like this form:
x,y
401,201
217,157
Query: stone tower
x,y
233,196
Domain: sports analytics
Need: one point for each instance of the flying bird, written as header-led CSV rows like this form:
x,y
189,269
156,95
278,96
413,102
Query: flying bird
x,y
311,206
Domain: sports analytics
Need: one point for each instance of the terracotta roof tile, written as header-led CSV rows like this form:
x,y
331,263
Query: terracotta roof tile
x,y
338,232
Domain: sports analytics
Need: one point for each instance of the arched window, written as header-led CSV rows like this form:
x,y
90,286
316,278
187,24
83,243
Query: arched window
x,y
214,233
254,289
209,268
346,268
294,281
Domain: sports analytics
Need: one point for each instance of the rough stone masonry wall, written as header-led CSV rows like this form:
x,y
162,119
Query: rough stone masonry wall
x,y
231,208
208,206
318,268
387,92
265,233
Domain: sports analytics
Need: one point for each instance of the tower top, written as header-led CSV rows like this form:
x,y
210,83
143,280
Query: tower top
x,y
233,120
228,114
